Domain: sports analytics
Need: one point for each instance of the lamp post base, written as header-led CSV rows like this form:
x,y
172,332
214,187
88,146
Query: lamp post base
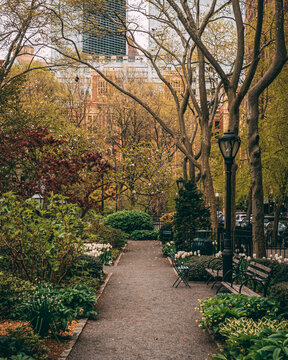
x,y
227,256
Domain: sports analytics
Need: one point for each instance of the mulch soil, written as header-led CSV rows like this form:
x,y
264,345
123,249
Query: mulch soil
x,y
54,347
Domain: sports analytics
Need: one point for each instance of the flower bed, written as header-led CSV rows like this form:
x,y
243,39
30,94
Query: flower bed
x,y
249,327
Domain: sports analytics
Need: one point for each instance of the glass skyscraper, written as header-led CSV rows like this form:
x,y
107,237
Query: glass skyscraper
x,y
104,28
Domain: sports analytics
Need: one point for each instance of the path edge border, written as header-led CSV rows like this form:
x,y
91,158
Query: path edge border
x,y
82,322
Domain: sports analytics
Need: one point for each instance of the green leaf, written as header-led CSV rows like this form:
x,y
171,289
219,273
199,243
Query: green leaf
x,y
276,354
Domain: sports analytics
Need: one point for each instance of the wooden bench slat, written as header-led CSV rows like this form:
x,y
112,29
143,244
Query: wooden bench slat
x,y
258,272
253,273
260,266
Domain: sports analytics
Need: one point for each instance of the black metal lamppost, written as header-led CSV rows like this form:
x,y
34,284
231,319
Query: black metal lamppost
x,y
229,145
180,183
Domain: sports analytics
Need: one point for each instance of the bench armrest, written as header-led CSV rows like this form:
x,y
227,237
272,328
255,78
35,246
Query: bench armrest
x,y
255,282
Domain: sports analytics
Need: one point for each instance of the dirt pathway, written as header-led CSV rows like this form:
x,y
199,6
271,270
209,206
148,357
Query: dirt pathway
x,y
141,316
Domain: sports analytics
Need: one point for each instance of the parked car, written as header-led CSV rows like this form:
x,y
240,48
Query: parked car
x,y
239,218
282,233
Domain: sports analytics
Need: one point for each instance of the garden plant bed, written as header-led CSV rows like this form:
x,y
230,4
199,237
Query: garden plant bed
x,y
55,347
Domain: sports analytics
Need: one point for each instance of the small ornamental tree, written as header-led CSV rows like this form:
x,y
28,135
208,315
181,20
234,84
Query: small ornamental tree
x,y
34,160
191,215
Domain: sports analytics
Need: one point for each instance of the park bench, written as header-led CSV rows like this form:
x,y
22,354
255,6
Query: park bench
x,y
256,277
181,272
215,268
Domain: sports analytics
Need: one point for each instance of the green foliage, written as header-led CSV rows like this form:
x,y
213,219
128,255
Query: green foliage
x,y
45,311
105,234
279,292
144,235
87,265
115,237
241,334
169,249
80,298
40,244
166,227
215,310
22,343
191,215
266,344
12,290
197,265
114,254
130,220
279,271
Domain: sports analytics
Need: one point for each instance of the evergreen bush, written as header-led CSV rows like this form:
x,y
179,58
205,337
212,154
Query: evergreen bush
x,y
130,220
191,215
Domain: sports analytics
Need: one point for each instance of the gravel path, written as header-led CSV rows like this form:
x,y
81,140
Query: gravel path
x,y
141,316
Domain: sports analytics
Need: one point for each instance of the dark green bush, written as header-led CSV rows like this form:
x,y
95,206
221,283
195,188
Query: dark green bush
x,y
144,235
21,343
87,265
115,237
279,292
197,265
12,290
80,298
130,220
164,237
279,272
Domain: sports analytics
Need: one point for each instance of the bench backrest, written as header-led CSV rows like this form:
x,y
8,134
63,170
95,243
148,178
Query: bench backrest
x,y
258,271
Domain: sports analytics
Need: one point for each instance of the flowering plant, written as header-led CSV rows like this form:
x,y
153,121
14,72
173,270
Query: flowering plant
x,y
102,251
182,257
169,249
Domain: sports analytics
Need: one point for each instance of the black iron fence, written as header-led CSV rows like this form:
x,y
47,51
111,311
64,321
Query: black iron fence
x,y
241,239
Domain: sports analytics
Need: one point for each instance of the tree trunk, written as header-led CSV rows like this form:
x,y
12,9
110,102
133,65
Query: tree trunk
x,y
259,246
206,176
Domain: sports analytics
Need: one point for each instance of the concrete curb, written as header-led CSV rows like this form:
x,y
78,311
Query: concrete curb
x,y
82,322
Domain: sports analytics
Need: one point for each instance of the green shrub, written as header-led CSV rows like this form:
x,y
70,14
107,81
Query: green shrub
x,y
87,265
240,334
21,343
279,271
40,244
197,265
12,290
263,345
80,298
114,254
144,235
93,283
215,310
45,311
279,292
115,237
130,220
